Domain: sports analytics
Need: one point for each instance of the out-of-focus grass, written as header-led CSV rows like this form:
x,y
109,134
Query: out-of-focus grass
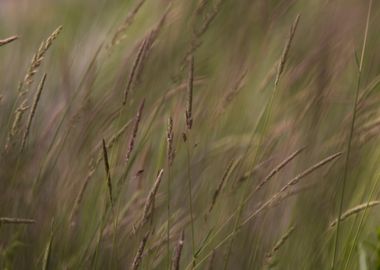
x,y
55,200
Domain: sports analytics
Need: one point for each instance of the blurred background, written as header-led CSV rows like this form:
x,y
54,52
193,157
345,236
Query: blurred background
x,y
230,186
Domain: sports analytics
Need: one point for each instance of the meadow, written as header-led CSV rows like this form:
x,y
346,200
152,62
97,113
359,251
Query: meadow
x,y
200,134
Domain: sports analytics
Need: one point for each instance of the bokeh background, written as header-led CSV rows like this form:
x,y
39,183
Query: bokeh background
x,y
243,127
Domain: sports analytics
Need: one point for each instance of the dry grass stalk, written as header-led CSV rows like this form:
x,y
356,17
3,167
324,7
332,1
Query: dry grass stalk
x,y
190,84
286,195
120,32
201,5
274,200
176,229
46,260
269,256
23,87
134,132
155,31
369,126
169,138
178,252
366,93
198,33
18,115
277,196
115,137
126,216
107,168
92,167
142,54
269,76
285,52
140,66
150,200
239,83
135,68
209,19
278,168
211,261
38,58
367,137
296,179
138,257
194,45
33,111
368,131
260,166
220,186
80,195
19,112
7,220
7,40
354,211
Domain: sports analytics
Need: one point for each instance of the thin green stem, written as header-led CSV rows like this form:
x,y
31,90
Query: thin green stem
x,y
190,197
168,221
266,119
361,222
349,143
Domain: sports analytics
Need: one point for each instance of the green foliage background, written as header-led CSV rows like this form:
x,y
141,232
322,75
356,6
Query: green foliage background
x,y
237,47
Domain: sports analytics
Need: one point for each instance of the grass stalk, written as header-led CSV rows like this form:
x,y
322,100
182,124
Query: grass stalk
x,y
349,142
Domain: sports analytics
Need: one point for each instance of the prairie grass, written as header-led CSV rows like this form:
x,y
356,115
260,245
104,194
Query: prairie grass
x,y
207,134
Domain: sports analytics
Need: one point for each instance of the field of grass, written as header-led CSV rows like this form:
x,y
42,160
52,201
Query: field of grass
x,y
200,134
